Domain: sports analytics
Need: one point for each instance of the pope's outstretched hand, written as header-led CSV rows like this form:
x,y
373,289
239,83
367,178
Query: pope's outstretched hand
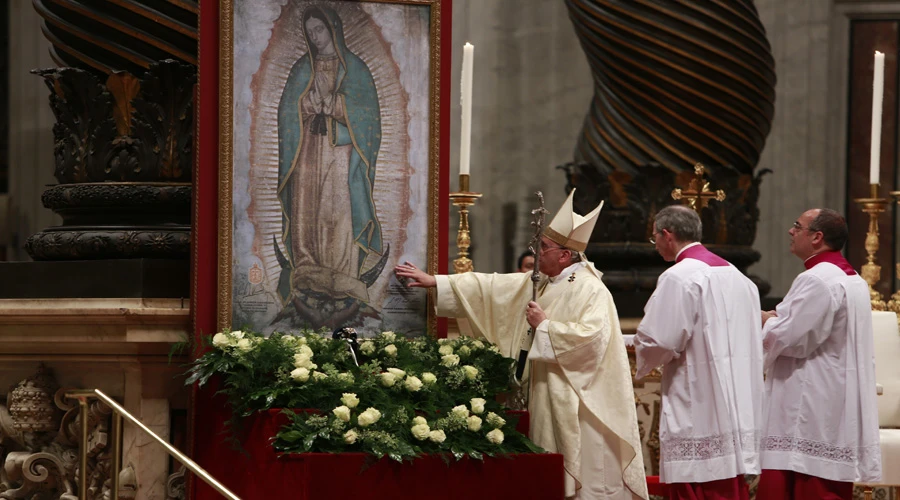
x,y
417,278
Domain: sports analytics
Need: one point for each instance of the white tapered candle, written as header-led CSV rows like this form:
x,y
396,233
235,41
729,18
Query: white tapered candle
x,y
465,132
877,97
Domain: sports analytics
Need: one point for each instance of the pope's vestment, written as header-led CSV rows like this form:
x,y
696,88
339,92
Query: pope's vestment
x,y
821,414
702,324
581,400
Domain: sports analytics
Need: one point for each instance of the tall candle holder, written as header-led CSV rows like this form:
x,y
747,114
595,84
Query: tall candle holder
x,y
871,272
894,303
463,199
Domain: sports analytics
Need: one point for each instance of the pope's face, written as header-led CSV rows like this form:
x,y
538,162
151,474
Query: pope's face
x,y
318,34
554,258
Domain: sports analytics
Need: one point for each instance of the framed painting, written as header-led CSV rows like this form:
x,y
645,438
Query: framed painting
x,y
330,163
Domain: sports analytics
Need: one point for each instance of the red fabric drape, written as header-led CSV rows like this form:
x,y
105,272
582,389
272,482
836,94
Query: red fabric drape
x,y
734,488
261,473
654,487
790,485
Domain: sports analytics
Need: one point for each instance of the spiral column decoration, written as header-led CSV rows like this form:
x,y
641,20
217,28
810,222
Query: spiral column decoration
x,y
675,83
119,35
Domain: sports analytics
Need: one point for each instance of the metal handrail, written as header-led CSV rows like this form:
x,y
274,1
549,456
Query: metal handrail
x,y
118,413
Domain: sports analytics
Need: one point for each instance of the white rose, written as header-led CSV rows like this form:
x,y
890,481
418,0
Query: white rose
x,y
237,335
389,336
419,421
477,405
495,436
220,340
304,360
495,420
479,344
300,374
367,348
390,350
368,417
444,341
301,340
437,436
244,345
345,377
460,411
450,360
494,348
398,372
304,349
350,399
445,350
350,436
420,431
413,384
474,423
319,376
471,372
428,378
464,350
388,379
342,412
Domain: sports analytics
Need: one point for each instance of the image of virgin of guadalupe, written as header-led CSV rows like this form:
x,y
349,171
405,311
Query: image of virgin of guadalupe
x,y
329,133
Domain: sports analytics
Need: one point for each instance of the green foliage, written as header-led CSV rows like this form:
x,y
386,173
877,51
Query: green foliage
x,y
406,397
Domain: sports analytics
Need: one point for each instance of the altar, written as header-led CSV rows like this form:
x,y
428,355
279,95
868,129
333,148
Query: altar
x,y
259,472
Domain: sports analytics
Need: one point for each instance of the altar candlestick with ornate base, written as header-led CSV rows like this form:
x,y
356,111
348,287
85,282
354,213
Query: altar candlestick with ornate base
x,y
894,303
871,272
463,199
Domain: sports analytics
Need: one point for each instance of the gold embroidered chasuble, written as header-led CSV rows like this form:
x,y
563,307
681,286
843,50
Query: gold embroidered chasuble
x,y
593,368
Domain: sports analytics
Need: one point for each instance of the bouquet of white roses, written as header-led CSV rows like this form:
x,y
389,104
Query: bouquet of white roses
x,y
418,395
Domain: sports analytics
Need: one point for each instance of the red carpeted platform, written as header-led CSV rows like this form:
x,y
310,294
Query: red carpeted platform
x,y
261,473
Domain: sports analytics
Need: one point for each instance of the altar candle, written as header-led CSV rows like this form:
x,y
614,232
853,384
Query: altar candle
x,y
465,133
877,97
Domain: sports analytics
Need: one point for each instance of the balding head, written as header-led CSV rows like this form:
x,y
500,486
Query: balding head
x,y
816,231
833,227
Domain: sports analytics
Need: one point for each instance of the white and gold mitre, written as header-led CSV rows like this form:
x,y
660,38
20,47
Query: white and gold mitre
x,y
570,229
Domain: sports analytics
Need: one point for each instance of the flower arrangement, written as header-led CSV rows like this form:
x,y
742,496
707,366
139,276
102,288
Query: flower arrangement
x,y
390,396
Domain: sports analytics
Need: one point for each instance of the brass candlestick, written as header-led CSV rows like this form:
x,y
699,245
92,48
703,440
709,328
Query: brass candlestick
x,y
871,272
463,199
894,303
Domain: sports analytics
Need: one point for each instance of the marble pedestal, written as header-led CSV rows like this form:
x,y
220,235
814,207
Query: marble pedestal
x,y
120,346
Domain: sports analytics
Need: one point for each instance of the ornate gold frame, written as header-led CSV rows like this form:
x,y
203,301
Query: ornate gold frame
x,y
226,158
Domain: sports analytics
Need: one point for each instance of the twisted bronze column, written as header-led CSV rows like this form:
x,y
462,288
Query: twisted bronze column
x,y
675,83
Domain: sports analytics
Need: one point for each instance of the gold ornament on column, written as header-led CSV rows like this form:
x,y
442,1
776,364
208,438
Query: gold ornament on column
x,y
871,272
463,199
698,193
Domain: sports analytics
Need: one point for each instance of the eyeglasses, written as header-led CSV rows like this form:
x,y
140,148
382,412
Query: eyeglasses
x,y
653,240
545,249
796,225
